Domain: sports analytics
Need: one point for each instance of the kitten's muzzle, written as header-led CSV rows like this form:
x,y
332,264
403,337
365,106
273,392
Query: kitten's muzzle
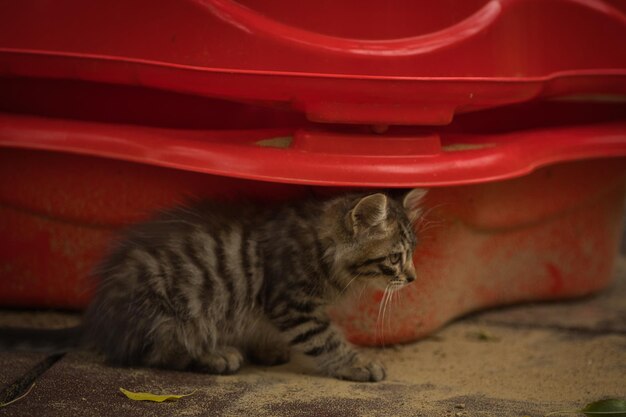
x,y
404,279
409,273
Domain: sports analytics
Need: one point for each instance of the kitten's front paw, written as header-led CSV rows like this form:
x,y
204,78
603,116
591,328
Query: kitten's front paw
x,y
224,361
362,372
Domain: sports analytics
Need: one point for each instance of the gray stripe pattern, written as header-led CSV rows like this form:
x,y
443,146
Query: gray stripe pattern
x,y
204,285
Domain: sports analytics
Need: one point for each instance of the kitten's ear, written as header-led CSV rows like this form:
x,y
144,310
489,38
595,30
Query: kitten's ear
x,y
369,211
412,203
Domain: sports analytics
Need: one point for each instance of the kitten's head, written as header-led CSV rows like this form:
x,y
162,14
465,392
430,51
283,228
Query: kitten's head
x,y
380,239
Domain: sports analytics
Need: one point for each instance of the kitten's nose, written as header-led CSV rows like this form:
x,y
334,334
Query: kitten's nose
x,y
410,277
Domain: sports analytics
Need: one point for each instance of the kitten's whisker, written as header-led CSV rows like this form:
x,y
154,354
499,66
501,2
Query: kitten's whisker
x,y
389,307
383,318
423,223
348,284
187,210
391,303
427,223
389,293
361,292
379,325
430,209
380,306
429,227
397,296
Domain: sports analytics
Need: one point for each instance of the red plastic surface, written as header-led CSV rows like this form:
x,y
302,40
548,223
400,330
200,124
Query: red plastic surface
x,y
407,62
109,110
323,157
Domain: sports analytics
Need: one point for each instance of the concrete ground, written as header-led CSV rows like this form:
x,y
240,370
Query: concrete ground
x,y
518,361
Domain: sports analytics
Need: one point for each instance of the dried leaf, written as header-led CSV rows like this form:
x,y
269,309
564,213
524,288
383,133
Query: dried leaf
x,y
611,407
146,396
605,408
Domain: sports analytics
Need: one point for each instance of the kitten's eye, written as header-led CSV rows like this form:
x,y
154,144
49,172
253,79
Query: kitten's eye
x,y
394,258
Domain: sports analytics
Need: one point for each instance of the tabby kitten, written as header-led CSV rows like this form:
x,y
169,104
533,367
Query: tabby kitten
x,y
202,287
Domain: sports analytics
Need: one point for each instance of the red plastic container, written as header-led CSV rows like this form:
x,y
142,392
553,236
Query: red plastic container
x,y
106,117
403,62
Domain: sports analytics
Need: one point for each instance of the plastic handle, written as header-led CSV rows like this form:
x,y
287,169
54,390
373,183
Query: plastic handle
x,y
252,22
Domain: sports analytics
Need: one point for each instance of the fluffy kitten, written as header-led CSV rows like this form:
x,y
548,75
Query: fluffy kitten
x,y
201,287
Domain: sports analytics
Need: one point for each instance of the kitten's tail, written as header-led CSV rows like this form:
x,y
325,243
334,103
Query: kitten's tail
x,y
40,340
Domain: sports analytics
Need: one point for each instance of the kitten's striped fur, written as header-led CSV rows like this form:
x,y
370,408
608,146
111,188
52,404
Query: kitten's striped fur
x,y
202,287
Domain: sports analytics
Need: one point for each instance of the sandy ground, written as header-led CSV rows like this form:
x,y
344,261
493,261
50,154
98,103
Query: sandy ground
x,y
519,361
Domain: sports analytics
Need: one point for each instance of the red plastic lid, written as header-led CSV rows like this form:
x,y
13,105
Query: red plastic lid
x,y
321,157
407,62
